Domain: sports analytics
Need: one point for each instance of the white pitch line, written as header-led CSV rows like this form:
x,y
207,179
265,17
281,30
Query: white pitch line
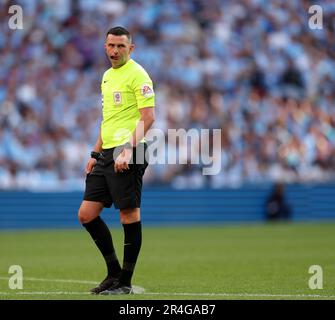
x,y
44,293
239,294
55,280
141,291
177,294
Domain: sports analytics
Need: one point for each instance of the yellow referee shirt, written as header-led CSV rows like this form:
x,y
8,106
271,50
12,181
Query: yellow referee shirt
x,y
125,90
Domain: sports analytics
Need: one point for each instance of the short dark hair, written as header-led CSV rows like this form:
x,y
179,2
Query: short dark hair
x,y
119,31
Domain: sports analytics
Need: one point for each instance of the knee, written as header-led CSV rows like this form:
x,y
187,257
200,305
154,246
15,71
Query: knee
x,y
128,216
85,216
88,211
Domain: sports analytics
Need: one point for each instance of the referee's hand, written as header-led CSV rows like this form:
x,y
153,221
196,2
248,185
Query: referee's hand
x,y
122,161
90,164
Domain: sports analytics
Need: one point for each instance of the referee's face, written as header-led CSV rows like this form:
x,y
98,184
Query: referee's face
x,y
118,50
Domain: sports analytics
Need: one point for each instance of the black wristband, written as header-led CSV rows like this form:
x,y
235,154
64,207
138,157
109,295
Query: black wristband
x,y
95,155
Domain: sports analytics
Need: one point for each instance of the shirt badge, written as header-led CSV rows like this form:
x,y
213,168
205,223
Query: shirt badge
x,y
147,91
117,97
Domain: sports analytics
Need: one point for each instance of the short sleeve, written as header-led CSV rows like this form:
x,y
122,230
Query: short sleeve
x,y
144,91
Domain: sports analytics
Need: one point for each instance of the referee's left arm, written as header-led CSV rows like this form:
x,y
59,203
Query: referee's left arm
x,y
144,124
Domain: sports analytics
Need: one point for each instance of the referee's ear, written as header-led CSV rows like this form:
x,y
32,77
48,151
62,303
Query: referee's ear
x,y
131,48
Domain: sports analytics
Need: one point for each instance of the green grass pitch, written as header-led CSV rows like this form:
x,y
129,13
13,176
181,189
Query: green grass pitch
x,y
249,261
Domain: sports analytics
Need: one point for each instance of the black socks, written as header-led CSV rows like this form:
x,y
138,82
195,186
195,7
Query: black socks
x,y
132,246
103,239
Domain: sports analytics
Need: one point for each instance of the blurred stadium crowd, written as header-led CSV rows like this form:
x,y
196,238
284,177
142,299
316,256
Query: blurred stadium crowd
x,y
252,68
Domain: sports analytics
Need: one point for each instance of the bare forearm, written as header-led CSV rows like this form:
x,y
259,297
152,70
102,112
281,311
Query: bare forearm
x,y
141,129
98,143
145,123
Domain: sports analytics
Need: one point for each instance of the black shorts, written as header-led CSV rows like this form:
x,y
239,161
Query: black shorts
x,y
123,189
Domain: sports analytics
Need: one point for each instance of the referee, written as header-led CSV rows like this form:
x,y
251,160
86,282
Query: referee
x,y
117,163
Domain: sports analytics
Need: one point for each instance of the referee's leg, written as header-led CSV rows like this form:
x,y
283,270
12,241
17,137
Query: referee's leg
x,y
89,210
89,217
131,222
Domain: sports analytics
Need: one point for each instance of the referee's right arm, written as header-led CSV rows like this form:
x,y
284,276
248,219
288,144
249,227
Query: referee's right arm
x,y
98,144
97,148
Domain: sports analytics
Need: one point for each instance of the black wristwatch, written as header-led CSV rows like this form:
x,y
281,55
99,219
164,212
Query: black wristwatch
x,y
95,155
128,146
